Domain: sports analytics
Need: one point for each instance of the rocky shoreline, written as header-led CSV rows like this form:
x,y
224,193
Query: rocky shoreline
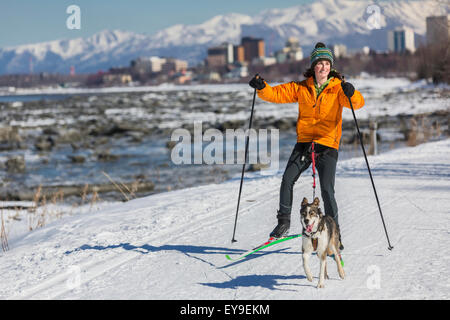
x,y
66,144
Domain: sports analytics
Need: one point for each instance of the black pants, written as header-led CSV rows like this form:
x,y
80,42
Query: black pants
x,y
326,167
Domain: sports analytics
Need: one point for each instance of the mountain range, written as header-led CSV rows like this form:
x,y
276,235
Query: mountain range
x,y
352,23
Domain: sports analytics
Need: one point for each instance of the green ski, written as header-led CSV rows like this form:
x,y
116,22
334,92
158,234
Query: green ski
x,y
269,243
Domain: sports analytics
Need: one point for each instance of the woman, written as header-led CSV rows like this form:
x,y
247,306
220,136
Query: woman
x,y
321,98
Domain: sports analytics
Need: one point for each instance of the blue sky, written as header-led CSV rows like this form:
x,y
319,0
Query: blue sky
x,y
31,21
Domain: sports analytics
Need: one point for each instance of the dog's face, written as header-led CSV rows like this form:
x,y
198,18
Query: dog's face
x,y
310,215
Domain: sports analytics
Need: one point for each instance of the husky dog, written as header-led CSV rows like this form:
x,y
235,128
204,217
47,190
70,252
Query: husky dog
x,y
319,232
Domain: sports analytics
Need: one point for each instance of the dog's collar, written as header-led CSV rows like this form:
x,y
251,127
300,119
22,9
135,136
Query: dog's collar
x,y
310,235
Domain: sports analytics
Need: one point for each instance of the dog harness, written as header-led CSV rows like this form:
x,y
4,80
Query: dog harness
x,y
313,241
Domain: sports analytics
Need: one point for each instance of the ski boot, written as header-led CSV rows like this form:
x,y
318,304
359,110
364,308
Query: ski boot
x,y
282,229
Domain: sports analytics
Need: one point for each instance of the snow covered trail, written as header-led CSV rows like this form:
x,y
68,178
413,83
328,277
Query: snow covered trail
x,y
173,245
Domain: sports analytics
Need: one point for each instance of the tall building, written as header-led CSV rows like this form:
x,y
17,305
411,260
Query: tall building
x,y
173,65
230,51
293,43
216,57
239,55
220,56
253,48
401,39
339,50
438,29
145,65
291,52
149,65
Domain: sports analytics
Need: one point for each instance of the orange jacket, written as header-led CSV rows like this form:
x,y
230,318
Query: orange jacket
x,y
319,119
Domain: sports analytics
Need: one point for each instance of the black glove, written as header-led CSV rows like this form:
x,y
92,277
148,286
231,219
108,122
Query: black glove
x,y
348,89
257,82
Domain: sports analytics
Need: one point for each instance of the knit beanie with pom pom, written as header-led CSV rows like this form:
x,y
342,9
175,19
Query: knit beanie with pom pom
x,y
321,52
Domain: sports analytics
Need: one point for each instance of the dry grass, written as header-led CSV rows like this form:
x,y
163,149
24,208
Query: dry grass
x,y
94,199
43,211
57,197
33,210
131,192
413,134
42,215
84,193
115,184
3,235
37,196
421,131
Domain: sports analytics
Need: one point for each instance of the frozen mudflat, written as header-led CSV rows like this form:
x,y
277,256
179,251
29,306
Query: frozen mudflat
x,y
128,132
172,245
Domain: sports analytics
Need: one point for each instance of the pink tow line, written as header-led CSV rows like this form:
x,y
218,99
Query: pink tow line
x,y
313,157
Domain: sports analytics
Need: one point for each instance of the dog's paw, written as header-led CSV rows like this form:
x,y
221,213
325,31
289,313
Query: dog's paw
x,y
320,285
309,277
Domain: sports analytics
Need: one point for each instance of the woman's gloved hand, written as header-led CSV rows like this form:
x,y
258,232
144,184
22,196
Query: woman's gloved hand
x,y
348,89
257,82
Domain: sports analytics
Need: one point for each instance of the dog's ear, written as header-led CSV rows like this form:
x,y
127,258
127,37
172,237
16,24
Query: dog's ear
x,y
304,202
316,201
320,212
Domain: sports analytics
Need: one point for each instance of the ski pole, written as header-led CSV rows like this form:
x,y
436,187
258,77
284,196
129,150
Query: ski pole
x,y
243,166
370,173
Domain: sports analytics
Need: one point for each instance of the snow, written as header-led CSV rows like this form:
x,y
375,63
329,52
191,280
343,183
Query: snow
x,y
172,245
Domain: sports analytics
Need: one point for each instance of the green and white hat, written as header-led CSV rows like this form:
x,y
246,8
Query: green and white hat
x,y
321,52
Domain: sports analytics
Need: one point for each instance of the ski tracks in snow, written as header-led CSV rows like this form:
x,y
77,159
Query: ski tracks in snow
x,y
90,268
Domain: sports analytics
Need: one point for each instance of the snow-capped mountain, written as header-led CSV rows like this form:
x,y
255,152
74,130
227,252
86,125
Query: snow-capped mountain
x,y
353,23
